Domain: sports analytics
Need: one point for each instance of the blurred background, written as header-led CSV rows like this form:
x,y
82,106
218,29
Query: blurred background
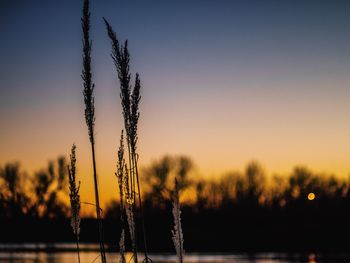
x,y
246,102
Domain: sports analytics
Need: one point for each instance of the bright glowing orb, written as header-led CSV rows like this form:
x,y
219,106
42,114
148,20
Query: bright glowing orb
x,y
311,196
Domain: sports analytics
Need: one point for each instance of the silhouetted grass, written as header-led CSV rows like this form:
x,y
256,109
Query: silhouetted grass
x,y
177,234
123,187
130,99
90,112
74,198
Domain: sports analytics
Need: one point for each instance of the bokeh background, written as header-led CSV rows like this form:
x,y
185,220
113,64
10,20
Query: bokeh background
x,y
225,86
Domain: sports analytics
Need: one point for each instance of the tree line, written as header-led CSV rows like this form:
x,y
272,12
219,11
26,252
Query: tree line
x,y
44,193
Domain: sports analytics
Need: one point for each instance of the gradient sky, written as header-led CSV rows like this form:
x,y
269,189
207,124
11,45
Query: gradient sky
x,y
224,82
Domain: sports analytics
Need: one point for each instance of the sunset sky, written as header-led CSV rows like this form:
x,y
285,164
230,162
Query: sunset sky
x,y
223,82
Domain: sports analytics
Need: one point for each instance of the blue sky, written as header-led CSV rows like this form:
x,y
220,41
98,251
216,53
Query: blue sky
x,y
223,82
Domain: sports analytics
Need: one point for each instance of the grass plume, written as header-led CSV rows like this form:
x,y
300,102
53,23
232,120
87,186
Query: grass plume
x,y
121,178
130,99
177,234
74,198
129,210
90,112
122,247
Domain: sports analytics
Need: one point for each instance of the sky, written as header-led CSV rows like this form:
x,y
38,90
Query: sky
x,y
223,82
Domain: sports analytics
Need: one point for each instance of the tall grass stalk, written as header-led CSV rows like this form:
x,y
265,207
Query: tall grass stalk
x,y
122,247
129,211
121,178
130,99
74,198
177,234
90,112
126,202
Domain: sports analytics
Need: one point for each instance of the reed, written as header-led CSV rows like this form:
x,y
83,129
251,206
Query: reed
x,y
130,99
177,234
130,211
74,198
121,179
90,113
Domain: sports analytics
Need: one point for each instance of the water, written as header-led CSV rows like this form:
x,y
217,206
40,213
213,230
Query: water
x,y
89,257
11,254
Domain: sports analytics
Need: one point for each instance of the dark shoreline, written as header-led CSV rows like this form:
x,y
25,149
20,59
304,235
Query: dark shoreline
x,y
211,232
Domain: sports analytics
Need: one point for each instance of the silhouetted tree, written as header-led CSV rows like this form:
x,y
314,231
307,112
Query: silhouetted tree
x,y
160,175
14,201
201,196
276,192
47,186
256,179
230,186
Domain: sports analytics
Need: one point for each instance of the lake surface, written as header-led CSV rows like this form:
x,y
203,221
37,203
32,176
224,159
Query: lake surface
x,y
34,253
89,257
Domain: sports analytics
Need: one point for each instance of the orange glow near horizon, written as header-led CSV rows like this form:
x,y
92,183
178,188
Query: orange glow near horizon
x,y
273,134
222,88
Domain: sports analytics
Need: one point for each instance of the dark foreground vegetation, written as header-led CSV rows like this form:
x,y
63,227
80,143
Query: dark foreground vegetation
x,y
246,211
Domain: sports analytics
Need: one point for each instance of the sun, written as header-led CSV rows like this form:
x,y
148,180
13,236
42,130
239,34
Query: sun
x,y
311,196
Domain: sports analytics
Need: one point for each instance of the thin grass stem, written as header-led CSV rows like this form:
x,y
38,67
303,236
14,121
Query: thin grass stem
x,y
90,113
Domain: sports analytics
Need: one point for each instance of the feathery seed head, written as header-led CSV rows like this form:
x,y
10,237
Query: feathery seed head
x,y
74,194
86,73
177,235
